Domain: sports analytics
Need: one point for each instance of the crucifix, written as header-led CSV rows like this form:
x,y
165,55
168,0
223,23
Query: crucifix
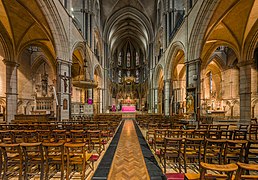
x,y
65,78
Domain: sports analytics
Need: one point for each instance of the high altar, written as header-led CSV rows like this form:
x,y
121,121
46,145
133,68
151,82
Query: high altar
x,y
128,105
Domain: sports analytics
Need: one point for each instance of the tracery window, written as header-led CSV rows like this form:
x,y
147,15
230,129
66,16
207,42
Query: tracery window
x,y
137,60
128,59
137,76
120,59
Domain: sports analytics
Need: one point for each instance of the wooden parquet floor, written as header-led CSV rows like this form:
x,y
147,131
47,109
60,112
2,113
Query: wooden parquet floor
x,y
128,162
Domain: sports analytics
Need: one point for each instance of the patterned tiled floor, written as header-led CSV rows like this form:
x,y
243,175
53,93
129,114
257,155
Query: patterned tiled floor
x,y
128,162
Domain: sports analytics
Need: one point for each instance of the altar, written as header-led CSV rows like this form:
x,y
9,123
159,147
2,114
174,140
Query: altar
x,y
216,112
128,105
128,108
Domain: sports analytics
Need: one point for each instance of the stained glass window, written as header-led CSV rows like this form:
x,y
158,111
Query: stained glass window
x,y
120,59
137,59
128,60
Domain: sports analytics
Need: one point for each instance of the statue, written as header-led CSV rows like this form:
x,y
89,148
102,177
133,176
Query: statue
x,y
44,82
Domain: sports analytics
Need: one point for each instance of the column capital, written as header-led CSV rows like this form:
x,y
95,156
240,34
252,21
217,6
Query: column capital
x,y
10,63
246,63
192,61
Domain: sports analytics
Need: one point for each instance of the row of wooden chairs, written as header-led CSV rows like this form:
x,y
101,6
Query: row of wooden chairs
x,y
78,119
220,132
88,125
41,156
96,139
156,137
234,171
211,150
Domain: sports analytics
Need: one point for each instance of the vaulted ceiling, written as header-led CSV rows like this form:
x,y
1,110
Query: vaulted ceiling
x,y
233,23
23,23
128,20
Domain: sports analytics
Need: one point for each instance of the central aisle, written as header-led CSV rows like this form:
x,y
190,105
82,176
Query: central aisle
x,y
128,162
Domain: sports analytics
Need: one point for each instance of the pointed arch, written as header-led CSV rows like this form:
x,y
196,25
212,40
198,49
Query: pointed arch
x,y
172,53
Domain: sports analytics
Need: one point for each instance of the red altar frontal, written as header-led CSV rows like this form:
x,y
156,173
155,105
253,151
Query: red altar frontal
x,y
130,108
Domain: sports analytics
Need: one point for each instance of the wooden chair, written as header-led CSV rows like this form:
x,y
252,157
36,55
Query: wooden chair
x,y
172,151
152,126
188,133
190,126
234,150
251,152
76,154
192,151
200,133
176,133
30,136
77,136
253,132
177,126
18,136
105,132
6,136
54,154
243,127
240,134
226,169
226,134
33,154
214,134
224,126
95,141
159,137
150,137
12,156
244,169
204,126
44,135
60,135
214,127
165,125
213,150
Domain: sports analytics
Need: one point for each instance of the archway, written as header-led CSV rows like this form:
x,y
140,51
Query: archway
x,y
36,81
2,85
160,90
178,83
220,83
98,91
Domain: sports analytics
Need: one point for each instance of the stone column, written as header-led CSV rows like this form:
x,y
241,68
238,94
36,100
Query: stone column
x,y
90,91
245,92
11,89
63,89
101,100
155,90
167,29
193,83
167,96
151,101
